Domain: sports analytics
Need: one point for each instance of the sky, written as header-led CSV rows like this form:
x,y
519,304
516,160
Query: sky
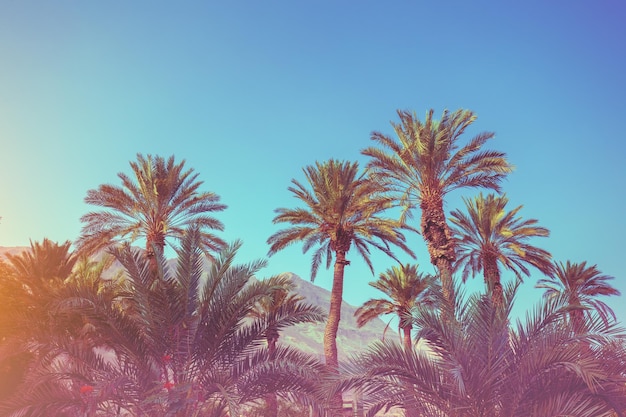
x,y
250,92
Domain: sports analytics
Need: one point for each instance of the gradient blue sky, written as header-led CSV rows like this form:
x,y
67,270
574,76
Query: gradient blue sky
x,y
250,92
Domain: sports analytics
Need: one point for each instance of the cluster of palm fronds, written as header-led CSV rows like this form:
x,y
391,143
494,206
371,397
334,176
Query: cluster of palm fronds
x,y
182,342
480,364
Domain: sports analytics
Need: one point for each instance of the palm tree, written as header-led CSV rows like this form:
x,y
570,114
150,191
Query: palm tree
x,y
33,326
10,293
406,288
580,285
282,307
277,309
181,345
162,201
343,210
43,261
488,236
37,277
424,164
14,359
481,365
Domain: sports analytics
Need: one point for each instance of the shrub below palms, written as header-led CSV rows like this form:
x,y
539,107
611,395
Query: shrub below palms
x,y
481,365
180,345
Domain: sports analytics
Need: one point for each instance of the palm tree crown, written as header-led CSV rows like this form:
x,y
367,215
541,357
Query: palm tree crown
x,y
44,261
580,285
342,210
38,276
276,310
488,236
282,306
424,163
161,202
31,283
406,288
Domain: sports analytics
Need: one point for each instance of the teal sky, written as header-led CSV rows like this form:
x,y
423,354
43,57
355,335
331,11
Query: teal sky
x,y
250,92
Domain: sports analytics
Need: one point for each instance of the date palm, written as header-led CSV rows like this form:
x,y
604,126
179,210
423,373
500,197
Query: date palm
x,y
276,310
37,276
405,288
343,210
425,163
43,261
282,307
488,237
481,365
14,359
32,282
161,201
581,285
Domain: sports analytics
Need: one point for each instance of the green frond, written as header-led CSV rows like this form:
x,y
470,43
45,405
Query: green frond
x,y
286,237
406,289
580,285
373,309
489,237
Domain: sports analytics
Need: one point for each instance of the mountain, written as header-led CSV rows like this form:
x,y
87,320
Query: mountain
x,y
309,337
4,250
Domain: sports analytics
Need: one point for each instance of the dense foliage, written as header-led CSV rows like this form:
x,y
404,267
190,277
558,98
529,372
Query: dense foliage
x,y
482,365
178,343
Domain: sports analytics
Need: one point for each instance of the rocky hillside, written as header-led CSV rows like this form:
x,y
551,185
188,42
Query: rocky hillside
x,y
350,340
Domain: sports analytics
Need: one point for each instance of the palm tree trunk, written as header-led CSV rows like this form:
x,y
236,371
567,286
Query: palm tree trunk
x,y
270,399
408,346
332,326
406,337
577,316
578,321
438,239
436,233
492,278
154,243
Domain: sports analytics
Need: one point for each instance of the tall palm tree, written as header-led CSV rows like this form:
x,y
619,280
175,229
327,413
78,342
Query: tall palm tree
x,y
481,365
342,210
489,236
406,288
425,163
162,201
277,309
580,285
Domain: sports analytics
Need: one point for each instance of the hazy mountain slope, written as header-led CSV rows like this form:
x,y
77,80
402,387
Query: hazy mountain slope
x,y
350,339
11,250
